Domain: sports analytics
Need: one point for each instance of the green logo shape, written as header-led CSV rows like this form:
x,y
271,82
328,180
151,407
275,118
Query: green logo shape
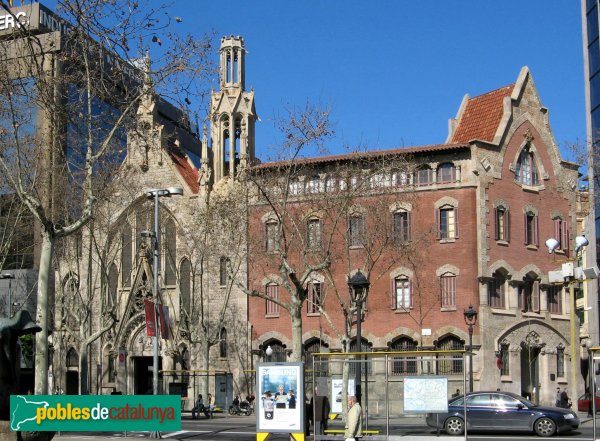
x,y
95,413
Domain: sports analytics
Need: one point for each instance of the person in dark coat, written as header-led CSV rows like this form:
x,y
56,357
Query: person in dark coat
x,y
565,402
322,409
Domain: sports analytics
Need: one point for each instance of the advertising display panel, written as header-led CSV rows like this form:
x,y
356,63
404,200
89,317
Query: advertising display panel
x,y
280,400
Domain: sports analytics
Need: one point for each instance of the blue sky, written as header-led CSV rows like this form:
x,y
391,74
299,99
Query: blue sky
x,y
393,72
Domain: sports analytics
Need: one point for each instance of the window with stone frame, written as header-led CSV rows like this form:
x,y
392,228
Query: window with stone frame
x,y
126,255
272,236
502,224
356,230
531,229
72,358
279,354
561,233
318,365
403,365
314,297
272,308
170,251
554,296
295,187
526,169
315,185
223,343
401,224
448,290
496,290
313,233
447,222
504,360
402,293
423,176
185,273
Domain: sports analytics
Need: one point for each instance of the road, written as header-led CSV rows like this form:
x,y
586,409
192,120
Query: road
x,y
233,428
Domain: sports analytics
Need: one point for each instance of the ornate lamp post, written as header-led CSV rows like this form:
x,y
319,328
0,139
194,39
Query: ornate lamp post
x,y
359,288
470,319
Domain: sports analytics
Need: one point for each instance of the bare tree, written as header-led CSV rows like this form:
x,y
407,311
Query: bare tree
x,y
85,84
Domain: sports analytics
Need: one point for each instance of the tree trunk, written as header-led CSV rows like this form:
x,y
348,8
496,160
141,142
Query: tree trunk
x,y
42,316
296,315
204,367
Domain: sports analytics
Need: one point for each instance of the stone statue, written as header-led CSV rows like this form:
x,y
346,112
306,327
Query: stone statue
x,y
10,330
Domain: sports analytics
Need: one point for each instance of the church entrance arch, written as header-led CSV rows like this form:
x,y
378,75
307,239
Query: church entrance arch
x,y
141,350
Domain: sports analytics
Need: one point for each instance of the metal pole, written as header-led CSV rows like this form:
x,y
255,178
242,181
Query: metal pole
x,y
470,358
10,298
573,341
155,295
357,378
593,389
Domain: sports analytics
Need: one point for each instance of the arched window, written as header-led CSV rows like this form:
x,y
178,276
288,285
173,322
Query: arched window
x,y
446,173
401,224
321,367
504,360
72,358
223,343
449,364
71,303
170,250
402,293
526,170
529,295
223,263
278,349
185,270
560,361
403,365
447,222
272,236
113,280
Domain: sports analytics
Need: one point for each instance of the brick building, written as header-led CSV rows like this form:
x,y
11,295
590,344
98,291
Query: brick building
x,y
453,225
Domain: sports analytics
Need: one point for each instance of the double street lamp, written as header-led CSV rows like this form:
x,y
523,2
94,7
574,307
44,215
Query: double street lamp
x,y
470,319
155,194
359,288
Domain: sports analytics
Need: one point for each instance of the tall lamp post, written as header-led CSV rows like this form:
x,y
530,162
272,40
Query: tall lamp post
x,y
470,319
155,194
568,274
10,278
359,288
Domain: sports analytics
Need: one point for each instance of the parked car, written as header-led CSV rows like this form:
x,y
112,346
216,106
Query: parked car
x,y
583,403
502,412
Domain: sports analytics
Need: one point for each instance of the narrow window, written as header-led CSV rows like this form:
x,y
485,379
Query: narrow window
x,y
315,297
554,299
446,173
272,307
314,234
401,226
185,270
126,255
448,290
356,231
526,169
223,343
504,360
403,365
531,229
447,224
295,187
496,296
315,185
402,296
502,227
272,236
223,263
170,250
560,361
423,176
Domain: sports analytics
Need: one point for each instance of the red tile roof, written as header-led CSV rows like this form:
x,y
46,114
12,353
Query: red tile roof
x,y
187,171
369,154
482,116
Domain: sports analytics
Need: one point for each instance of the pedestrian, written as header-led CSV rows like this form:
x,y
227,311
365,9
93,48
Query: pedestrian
x,y
198,406
322,410
456,394
210,406
565,401
354,420
557,403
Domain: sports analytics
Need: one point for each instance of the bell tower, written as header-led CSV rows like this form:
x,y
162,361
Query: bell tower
x,y
232,113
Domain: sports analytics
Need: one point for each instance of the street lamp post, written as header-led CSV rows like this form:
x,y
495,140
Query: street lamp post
x,y
155,194
470,319
10,278
359,288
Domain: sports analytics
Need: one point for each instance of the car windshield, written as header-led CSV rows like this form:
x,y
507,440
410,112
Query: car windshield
x,y
527,403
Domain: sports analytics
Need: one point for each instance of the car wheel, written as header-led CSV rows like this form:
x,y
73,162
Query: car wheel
x,y
544,427
454,426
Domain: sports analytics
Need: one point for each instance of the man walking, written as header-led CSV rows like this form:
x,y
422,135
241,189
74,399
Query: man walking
x,y
354,421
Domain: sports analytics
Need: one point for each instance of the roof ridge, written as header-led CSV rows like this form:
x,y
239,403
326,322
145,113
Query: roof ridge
x,y
493,91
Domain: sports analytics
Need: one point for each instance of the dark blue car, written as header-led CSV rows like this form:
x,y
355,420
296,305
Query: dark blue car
x,y
502,412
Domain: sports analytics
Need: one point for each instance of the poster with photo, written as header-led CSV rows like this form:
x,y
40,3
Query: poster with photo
x,y
280,397
336,393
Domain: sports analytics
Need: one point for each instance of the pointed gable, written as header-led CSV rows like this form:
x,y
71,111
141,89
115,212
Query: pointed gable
x,y
481,116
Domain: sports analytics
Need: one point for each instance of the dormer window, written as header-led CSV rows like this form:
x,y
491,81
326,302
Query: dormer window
x,y
527,172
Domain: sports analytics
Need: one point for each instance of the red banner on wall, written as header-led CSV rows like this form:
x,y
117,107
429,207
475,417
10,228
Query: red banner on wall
x,y
150,318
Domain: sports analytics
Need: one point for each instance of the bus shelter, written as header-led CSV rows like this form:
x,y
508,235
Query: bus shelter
x,y
188,383
391,384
